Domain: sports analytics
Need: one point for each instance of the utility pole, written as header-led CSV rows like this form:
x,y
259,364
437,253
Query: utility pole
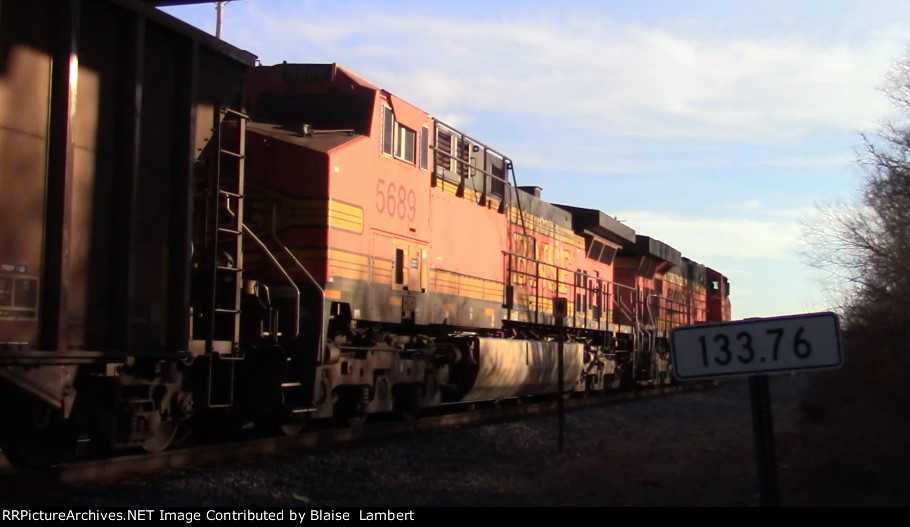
x,y
219,9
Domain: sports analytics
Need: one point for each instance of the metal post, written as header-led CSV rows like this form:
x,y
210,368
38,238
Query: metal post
x,y
560,310
765,454
562,391
219,8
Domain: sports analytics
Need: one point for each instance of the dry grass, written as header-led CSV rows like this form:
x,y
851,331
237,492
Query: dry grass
x,y
855,446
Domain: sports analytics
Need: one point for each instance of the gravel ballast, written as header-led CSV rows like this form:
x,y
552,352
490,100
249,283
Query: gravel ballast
x,y
692,449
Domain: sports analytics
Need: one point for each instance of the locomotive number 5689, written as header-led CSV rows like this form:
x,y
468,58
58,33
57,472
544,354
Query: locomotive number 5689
x,y
396,200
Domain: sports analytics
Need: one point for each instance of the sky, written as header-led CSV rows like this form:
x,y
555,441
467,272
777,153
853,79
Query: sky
x,y
716,127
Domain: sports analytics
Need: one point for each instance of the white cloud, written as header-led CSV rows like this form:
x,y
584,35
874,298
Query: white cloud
x,y
759,210
836,160
720,239
622,80
759,256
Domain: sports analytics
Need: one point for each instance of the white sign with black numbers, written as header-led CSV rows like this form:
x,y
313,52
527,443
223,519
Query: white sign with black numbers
x,y
757,346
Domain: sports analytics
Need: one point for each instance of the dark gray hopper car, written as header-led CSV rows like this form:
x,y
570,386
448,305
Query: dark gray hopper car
x,y
105,109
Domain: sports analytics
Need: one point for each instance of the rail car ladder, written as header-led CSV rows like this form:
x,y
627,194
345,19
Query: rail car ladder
x,y
224,254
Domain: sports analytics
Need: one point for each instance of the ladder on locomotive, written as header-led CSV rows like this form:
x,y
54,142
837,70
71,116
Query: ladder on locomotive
x,y
224,253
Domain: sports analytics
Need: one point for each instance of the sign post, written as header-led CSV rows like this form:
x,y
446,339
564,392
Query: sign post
x,y
765,453
560,310
757,347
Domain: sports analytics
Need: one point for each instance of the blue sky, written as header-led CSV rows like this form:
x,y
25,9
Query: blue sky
x,y
714,126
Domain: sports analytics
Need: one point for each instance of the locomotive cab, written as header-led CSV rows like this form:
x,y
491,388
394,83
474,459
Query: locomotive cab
x,y
719,309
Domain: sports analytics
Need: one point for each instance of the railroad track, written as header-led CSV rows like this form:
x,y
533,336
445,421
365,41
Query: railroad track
x,y
111,469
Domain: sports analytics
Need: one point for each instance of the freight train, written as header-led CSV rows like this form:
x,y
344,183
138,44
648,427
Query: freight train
x,y
191,242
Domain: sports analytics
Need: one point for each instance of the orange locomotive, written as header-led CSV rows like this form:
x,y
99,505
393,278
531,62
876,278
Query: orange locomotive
x,y
438,276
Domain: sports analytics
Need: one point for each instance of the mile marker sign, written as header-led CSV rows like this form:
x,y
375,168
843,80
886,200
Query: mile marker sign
x,y
757,346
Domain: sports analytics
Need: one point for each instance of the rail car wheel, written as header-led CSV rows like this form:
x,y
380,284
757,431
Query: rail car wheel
x,y
408,415
171,426
407,401
291,424
162,437
36,436
350,405
613,381
357,422
292,428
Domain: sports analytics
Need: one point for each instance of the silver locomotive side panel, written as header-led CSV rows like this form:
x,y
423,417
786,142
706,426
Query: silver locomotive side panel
x,y
510,368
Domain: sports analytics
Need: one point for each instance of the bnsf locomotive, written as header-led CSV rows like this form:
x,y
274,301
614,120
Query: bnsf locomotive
x,y
189,242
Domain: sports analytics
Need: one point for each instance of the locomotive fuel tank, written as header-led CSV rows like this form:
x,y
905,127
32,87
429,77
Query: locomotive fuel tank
x,y
511,368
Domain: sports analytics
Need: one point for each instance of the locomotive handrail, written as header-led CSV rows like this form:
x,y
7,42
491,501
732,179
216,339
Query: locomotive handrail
x,y
280,267
482,171
623,286
648,308
676,307
475,141
313,281
627,311
616,299
558,268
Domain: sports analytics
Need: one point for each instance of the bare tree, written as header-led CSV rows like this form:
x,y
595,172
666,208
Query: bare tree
x,y
864,249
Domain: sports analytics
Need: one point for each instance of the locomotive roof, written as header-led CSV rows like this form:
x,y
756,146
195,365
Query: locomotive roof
x,y
529,203
647,246
600,224
691,270
713,273
321,142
